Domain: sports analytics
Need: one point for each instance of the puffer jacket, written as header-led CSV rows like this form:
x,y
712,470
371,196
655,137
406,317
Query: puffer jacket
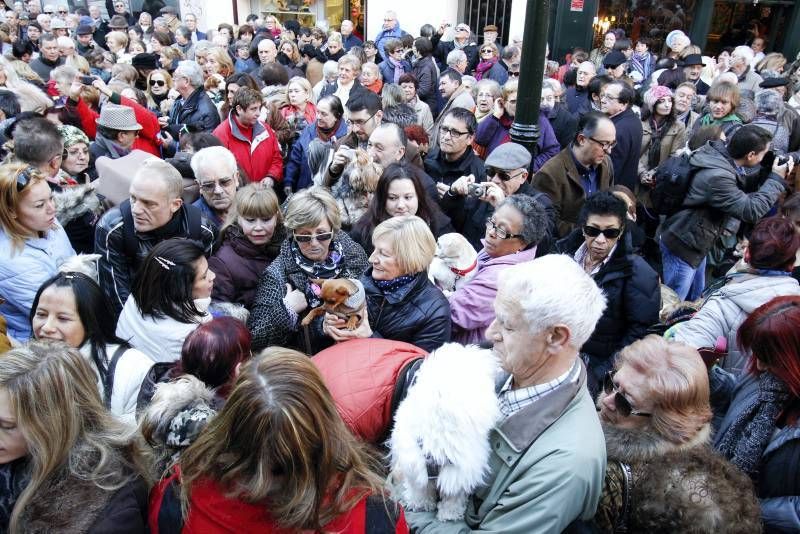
x,y
23,270
367,379
197,114
633,301
270,322
727,308
416,313
260,157
116,269
778,481
716,204
238,263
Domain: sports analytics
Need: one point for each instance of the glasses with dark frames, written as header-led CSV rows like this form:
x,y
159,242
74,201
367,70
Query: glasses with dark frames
x,y
320,238
609,233
503,175
501,233
621,403
24,177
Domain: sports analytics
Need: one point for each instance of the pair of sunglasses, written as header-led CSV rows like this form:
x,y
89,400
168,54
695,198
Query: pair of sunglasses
x,y
503,175
24,178
321,238
159,83
609,233
622,404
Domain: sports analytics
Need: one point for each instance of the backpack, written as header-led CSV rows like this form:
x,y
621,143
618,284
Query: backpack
x,y
672,179
131,242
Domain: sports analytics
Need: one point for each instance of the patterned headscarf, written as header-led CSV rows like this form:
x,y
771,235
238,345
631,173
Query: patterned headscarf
x,y
72,136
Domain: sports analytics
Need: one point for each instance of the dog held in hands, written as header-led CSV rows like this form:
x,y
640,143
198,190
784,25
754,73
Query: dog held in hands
x,y
455,263
342,297
439,447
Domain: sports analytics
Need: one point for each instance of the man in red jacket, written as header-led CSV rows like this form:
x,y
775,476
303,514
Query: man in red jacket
x,y
253,143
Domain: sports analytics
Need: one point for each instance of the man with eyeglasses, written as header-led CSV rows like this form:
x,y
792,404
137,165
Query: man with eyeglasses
x,y
603,250
253,143
364,114
154,212
616,100
578,100
578,171
217,176
390,30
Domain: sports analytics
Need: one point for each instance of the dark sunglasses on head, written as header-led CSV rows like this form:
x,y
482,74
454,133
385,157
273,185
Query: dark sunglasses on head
x,y
24,177
321,238
159,83
622,404
500,173
609,233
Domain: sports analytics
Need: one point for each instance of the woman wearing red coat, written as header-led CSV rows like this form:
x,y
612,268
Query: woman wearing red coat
x,y
253,143
276,459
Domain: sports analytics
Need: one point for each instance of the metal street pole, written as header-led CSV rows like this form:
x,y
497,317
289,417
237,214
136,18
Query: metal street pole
x,y
525,129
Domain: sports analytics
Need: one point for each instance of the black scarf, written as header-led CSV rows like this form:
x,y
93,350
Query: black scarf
x,y
747,437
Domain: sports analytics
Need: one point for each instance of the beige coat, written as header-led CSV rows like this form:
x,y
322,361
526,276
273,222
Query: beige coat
x,y
672,142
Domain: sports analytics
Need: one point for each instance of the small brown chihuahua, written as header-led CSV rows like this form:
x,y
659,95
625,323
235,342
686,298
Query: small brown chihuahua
x,y
342,297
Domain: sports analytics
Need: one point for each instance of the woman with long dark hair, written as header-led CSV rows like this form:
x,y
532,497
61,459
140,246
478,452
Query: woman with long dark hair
x,y
170,297
399,193
71,308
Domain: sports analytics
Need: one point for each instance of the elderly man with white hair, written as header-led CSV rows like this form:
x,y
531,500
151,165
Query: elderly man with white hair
x,y
741,58
193,111
217,176
548,455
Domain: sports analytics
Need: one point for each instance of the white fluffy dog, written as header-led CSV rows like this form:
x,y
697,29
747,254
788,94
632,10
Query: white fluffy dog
x,y
454,264
443,424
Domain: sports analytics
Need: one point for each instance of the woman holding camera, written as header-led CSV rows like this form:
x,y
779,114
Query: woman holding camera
x,y
399,193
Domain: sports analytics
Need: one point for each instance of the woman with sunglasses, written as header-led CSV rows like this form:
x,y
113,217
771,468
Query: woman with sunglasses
x,y
317,248
602,248
32,243
656,418
159,82
489,55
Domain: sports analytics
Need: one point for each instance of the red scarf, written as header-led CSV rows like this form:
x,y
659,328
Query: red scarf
x,y
326,134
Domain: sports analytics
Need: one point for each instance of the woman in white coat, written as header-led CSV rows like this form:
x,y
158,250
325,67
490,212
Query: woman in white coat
x,y
70,307
170,298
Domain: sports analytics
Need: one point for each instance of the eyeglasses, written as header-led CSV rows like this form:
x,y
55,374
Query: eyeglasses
x,y
159,83
608,233
24,178
443,130
320,238
360,122
487,51
622,404
48,12
606,96
501,233
62,12
503,175
210,187
513,73
397,51
605,145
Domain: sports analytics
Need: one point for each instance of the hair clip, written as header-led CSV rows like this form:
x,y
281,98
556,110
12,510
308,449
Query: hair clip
x,y
164,262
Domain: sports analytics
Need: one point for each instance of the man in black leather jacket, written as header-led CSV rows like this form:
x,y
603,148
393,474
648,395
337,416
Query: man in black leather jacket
x,y
154,212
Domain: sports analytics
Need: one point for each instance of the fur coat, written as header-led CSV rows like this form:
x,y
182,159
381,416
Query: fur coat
x,y
629,452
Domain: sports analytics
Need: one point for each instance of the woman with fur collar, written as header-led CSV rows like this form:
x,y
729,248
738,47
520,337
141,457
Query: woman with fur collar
x,y
65,464
655,410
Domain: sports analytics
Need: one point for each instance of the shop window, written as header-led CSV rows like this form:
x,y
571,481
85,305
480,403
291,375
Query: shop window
x,y
643,19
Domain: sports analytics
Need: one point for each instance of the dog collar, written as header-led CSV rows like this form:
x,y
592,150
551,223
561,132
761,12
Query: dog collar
x,y
464,272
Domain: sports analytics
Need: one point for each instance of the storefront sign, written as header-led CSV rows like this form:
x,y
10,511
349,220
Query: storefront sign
x,y
576,5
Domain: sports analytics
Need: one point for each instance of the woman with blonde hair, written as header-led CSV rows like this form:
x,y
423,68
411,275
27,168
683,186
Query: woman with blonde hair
x,y
218,62
305,472
317,248
298,109
251,238
159,82
32,243
402,302
70,466
772,61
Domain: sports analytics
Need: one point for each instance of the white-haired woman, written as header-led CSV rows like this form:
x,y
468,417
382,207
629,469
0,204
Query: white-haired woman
x,y
316,249
66,464
402,303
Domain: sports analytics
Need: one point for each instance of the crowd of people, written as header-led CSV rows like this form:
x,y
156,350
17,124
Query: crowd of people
x,y
177,202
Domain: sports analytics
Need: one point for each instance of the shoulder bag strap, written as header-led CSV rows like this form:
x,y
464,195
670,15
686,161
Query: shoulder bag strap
x,y
108,384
